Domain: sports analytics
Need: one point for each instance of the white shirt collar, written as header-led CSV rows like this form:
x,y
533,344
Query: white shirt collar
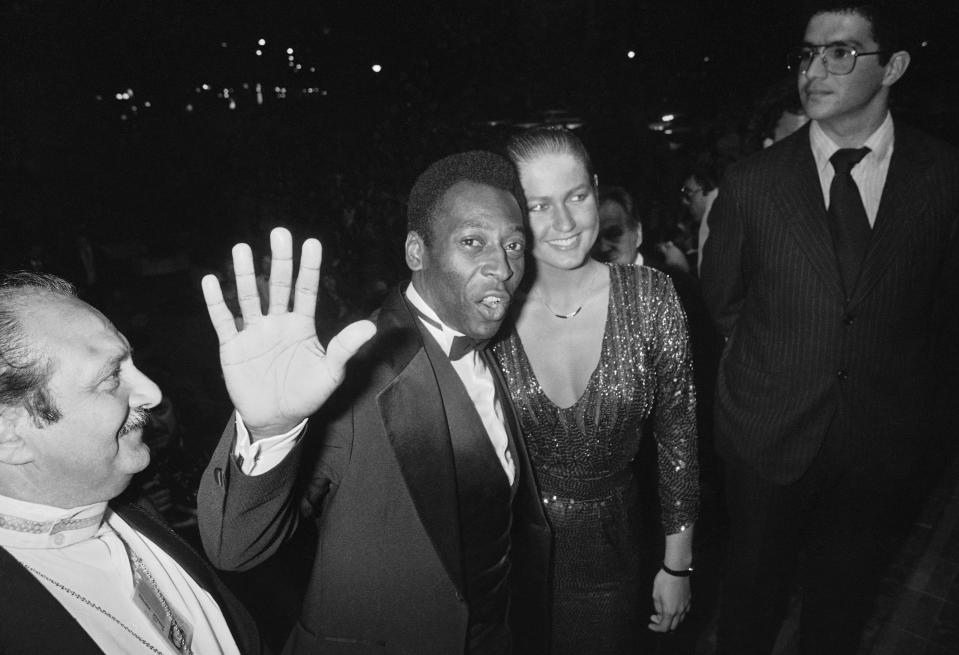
x,y
443,334
879,144
30,525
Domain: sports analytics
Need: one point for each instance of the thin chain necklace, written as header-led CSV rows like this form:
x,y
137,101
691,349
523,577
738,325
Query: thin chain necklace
x,y
542,299
89,602
177,634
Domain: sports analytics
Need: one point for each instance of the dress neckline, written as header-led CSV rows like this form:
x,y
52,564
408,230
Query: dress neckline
x,y
613,280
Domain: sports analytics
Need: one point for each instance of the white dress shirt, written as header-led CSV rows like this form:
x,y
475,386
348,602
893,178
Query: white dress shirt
x,y
83,549
477,379
869,174
258,458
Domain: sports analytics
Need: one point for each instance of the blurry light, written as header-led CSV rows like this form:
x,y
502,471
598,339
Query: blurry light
x,y
246,85
147,104
924,44
206,87
133,109
323,92
290,58
669,117
226,93
376,68
98,97
123,117
222,44
232,103
119,96
299,66
706,60
312,69
189,108
261,42
667,131
259,52
289,51
129,93
259,94
631,54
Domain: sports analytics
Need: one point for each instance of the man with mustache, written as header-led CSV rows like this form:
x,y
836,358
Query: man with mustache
x,y
832,267
80,571
431,537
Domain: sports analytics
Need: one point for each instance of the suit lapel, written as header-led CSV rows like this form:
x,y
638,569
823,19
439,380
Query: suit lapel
x,y
899,206
414,416
170,542
33,618
799,196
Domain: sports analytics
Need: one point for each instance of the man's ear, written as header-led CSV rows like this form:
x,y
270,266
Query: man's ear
x,y
415,251
13,448
896,67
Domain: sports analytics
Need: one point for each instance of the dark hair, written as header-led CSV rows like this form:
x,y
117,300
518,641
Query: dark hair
x,y
707,170
24,371
781,97
552,140
622,197
887,26
476,166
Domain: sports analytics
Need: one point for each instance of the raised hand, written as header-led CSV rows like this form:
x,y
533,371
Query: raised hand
x,y
275,369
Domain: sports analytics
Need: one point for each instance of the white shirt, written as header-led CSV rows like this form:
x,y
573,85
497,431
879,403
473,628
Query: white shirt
x,y
82,549
869,174
477,379
258,458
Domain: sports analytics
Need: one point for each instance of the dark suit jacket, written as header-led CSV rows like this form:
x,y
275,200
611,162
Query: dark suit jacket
x,y
388,575
798,356
33,621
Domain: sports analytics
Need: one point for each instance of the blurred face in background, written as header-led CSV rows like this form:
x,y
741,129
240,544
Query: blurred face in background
x,y
694,198
618,237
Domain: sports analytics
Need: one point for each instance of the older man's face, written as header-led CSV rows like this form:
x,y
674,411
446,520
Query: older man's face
x,y
90,454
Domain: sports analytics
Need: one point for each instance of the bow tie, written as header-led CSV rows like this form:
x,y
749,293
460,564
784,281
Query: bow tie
x,y
462,345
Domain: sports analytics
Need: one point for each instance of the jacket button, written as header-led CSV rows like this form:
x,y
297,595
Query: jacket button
x,y
842,374
848,320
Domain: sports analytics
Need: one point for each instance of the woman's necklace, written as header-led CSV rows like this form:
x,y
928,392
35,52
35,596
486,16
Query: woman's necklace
x,y
573,313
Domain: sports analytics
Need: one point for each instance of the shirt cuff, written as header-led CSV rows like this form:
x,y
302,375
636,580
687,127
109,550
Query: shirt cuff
x,y
257,458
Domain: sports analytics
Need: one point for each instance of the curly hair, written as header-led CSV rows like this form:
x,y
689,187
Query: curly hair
x,y
476,166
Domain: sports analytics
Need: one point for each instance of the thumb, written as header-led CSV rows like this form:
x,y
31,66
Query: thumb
x,y
345,344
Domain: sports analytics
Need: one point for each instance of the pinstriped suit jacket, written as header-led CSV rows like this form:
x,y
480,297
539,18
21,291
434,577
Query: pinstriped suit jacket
x,y
798,354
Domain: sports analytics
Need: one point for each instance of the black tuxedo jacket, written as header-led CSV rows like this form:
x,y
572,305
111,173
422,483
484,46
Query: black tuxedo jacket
x,y
388,574
798,355
33,621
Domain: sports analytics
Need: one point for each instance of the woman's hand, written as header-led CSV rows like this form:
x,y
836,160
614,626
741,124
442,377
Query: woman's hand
x,y
671,599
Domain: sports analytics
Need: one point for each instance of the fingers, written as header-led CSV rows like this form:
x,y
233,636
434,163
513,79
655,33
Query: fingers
x,y
281,269
220,315
308,279
246,291
345,344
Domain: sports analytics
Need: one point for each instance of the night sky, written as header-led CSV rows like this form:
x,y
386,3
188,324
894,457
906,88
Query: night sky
x,y
102,98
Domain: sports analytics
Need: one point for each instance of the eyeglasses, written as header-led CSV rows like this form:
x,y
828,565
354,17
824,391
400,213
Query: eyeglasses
x,y
688,193
836,59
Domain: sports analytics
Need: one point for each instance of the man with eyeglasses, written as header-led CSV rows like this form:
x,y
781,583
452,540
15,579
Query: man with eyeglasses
x,y
832,270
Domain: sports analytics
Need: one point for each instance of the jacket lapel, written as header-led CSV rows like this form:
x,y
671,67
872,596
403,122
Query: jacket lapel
x,y
34,621
898,208
413,414
799,196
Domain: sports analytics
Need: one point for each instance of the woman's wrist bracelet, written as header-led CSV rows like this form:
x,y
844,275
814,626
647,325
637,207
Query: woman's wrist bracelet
x,y
683,573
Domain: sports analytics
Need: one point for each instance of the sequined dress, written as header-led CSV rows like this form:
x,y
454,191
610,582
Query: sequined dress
x,y
583,456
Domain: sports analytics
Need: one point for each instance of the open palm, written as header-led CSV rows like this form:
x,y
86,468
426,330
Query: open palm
x,y
276,371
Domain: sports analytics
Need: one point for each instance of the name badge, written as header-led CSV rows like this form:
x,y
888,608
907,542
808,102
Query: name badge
x,y
174,628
